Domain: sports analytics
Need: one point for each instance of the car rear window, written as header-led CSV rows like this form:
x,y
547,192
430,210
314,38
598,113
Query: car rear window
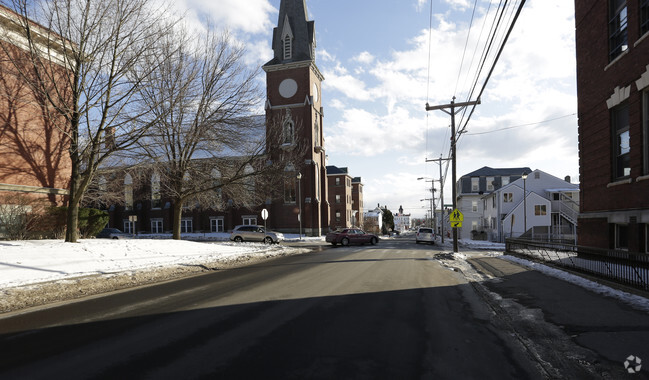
x,y
426,230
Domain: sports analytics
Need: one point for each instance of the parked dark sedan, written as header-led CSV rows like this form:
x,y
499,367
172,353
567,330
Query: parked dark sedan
x,y
351,236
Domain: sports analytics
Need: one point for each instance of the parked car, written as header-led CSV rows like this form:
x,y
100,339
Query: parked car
x,y
349,236
425,234
112,233
255,233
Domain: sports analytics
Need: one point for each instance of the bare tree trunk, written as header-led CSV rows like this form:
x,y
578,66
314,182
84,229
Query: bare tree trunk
x,y
178,214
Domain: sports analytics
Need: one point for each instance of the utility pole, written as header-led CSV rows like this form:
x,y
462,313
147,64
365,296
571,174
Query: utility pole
x,y
454,107
441,192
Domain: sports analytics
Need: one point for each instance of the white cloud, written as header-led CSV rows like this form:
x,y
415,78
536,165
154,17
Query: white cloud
x,y
249,16
364,57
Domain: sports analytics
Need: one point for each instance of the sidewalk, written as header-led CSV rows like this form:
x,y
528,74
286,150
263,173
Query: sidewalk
x,y
555,314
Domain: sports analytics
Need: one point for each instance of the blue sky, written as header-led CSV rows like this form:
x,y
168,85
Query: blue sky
x,y
374,56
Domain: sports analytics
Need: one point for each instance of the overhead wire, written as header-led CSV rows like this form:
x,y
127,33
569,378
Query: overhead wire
x,y
493,66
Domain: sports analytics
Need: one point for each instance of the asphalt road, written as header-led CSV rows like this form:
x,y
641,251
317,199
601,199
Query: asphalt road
x,y
389,311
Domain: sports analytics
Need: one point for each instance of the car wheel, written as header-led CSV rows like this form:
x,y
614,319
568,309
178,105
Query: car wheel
x,y
238,239
268,240
345,242
115,238
373,241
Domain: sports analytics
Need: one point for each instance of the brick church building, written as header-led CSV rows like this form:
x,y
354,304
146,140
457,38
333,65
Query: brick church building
x,y
294,103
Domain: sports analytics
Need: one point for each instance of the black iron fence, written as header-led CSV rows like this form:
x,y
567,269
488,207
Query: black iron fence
x,y
629,268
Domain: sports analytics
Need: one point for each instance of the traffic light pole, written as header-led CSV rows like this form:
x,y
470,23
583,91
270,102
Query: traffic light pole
x,y
454,107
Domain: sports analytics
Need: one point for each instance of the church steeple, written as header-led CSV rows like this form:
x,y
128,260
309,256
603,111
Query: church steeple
x,y
294,36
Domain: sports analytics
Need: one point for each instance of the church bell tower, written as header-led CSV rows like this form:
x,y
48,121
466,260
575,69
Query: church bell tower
x,y
294,117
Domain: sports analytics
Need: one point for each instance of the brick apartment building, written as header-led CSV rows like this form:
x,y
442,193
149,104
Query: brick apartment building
x,y
340,197
34,158
612,42
357,202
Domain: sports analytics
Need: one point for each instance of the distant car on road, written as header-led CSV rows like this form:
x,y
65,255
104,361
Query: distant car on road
x,y
349,236
255,233
112,233
425,235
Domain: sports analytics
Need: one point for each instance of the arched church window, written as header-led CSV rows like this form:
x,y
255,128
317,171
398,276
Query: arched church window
x,y
156,199
128,192
290,184
249,180
217,180
316,133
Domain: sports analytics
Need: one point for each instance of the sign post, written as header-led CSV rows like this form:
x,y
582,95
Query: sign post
x,y
264,216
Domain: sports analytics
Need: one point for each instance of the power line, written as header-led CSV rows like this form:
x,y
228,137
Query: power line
x,y
521,125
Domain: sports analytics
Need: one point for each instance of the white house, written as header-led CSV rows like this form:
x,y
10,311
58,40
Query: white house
x,y
549,211
473,187
374,218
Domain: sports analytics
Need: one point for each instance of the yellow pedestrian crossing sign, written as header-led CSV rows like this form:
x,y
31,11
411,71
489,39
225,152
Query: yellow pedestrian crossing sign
x,y
456,224
456,216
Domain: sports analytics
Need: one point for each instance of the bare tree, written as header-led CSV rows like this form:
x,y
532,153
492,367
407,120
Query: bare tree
x,y
88,62
207,146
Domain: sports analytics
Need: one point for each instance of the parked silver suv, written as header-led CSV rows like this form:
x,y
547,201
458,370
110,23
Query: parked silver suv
x,y
425,234
255,233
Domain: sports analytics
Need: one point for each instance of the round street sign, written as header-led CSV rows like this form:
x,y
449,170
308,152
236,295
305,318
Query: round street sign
x,y
264,214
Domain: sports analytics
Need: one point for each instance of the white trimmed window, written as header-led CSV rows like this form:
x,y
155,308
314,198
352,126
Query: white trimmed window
x,y
186,225
156,226
216,224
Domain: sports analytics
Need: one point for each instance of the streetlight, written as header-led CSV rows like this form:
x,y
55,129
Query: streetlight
x,y
299,200
524,176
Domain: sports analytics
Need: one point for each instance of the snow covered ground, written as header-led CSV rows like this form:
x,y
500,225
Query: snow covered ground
x,y
35,261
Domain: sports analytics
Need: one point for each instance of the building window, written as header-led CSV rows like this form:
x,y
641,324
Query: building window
x,y
337,181
289,132
249,220
186,225
622,141
289,190
540,210
474,206
128,192
475,184
156,226
156,201
337,216
317,182
216,224
490,183
621,236
508,197
505,181
128,226
617,28
644,16
337,198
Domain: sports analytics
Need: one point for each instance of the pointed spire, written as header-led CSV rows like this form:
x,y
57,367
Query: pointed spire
x,y
294,36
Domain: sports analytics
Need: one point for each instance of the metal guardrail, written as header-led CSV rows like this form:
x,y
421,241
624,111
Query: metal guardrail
x,y
629,268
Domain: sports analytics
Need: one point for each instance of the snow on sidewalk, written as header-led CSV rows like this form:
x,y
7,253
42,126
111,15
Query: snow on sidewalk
x,y
35,261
